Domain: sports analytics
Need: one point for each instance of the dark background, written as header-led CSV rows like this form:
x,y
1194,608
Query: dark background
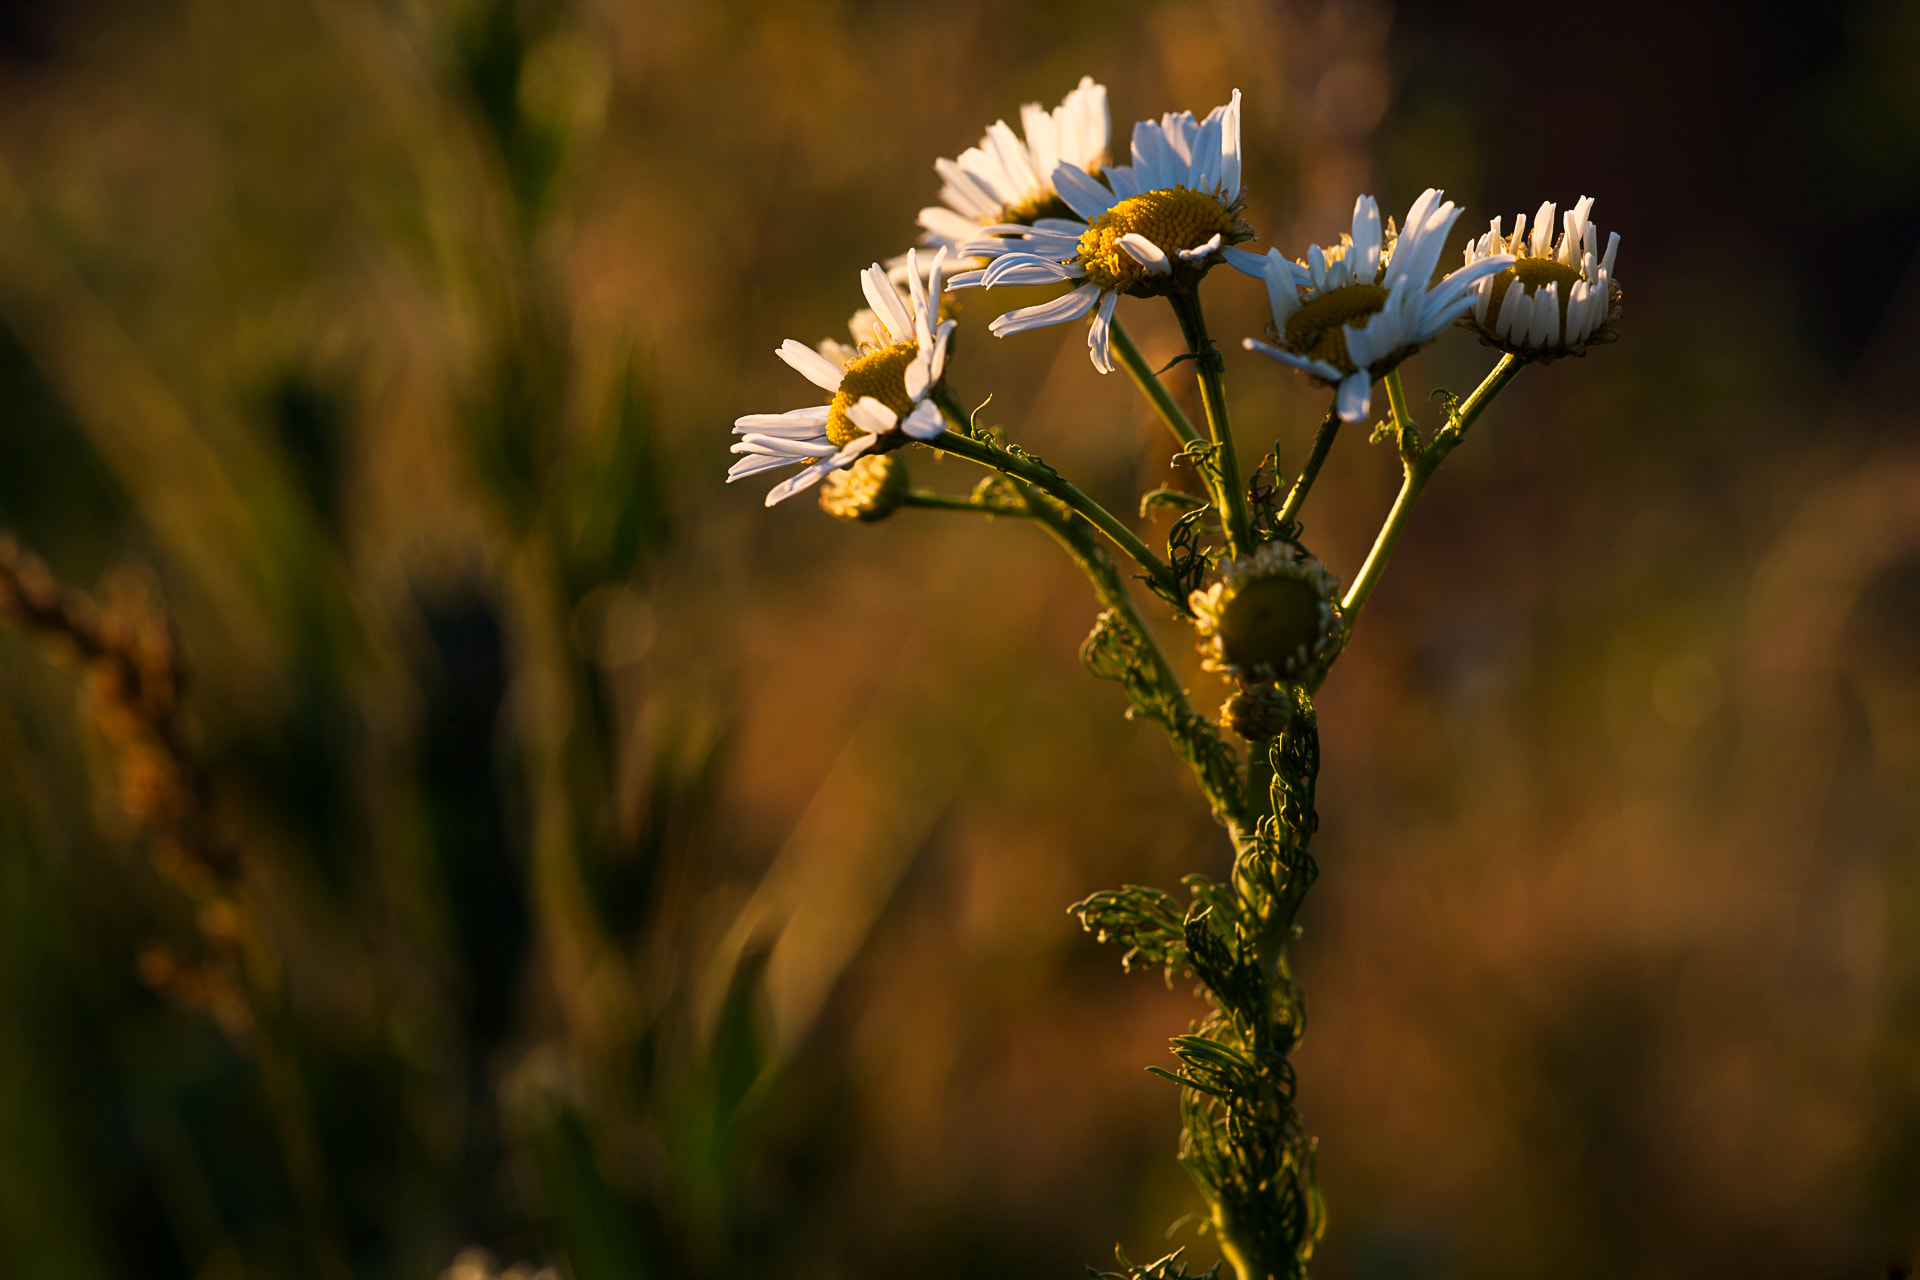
x,y
679,888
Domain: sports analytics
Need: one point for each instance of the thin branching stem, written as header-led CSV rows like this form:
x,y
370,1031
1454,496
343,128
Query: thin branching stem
x,y
1150,385
1193,738
1231,496
950,502
1032,471
1310,470
1419,470
1397,401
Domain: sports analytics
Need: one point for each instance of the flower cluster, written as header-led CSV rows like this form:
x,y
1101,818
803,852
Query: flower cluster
x,y
1351,313
1046,206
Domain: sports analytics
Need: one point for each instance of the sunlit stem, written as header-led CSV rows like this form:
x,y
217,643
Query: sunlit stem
x,y
950,502
1150,386
1227,799
1047,480
1232,497
1397,401
1310,470
1419,470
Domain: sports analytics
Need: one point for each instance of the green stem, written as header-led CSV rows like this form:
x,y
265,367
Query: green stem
x,y
1232,496
1310,471
1143,377
1049,481
1397,401
947,502
955,413
1418,471
1193,738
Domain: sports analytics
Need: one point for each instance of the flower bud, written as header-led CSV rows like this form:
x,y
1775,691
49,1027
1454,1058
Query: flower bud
x,y
1258,712
1273,617
871,489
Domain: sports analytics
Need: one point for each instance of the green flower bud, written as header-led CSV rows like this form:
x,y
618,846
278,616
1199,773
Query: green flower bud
x,y
1258,712
1273,617
871,489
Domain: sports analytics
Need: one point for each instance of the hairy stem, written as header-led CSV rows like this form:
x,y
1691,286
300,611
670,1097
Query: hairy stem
x,y
1044,478
1154,690
1231,494
1143,377
1397,401
950,502
1418,470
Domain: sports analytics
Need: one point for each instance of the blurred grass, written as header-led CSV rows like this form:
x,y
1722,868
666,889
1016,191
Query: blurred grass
x,y
679,888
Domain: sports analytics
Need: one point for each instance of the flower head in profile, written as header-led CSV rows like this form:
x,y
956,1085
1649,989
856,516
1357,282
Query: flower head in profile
x,y
1568,298
1350,313
1147,228
881,388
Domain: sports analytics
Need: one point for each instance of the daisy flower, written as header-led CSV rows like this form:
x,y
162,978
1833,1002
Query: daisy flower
x,y
880,389
1352,312
1007,180
1568,297
1147,228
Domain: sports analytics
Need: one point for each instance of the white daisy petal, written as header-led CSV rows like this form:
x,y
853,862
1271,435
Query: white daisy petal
x,y
796,422
918,375
1246,262
871,416
754,464
1365,250
783,447
1305,364
1204,167
1546,316
1509,312
964,192
1201,252
1523,316
1098,333
1360,349
1146,253
925,422
1068,306
918,292
1025,269
1283,292
801,480
886,304
1356,397
810,364
944,226
1124,182
1230,151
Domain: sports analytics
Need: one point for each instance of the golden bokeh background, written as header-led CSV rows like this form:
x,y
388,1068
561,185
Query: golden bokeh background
x,y
668,887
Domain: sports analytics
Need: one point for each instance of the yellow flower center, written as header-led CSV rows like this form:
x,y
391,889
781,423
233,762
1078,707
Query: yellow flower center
x,y
1030,211
1533,275
1172,219
1318,329
880,374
